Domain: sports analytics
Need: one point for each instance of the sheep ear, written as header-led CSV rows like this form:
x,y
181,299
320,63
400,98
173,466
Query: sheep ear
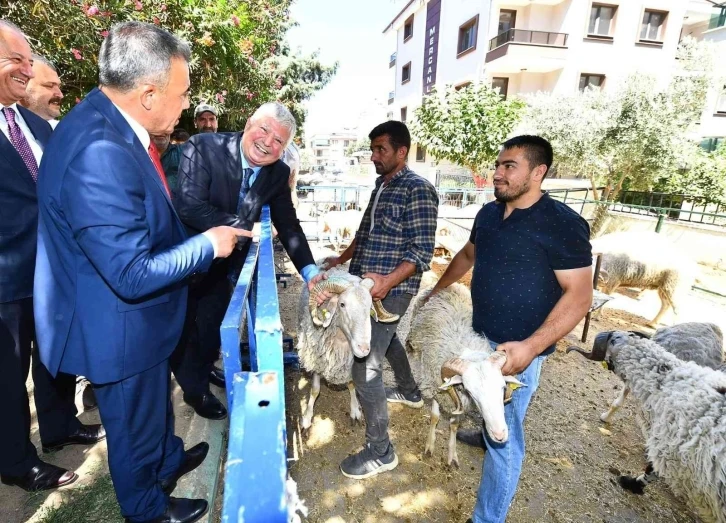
x,y
513,383
331,307
498,359
450,382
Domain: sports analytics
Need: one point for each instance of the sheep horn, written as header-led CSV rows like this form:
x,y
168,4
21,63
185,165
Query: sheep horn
x,y
451,368
382,314
599,347
334,286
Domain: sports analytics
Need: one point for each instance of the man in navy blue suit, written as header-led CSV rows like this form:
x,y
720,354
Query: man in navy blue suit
x,y
22,140
113,260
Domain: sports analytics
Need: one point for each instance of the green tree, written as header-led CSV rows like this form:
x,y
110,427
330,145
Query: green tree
x,y
704,176
236,45
635,132
466,126
297,78
363,145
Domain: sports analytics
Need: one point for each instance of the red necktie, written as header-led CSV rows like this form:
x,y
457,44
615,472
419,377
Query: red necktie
x,y
154,154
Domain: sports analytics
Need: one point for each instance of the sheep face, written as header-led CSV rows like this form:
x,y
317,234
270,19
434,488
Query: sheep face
x,y
481,375
349,312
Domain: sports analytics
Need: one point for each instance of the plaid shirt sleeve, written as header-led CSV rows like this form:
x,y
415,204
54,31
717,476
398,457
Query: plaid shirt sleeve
x,y
420,226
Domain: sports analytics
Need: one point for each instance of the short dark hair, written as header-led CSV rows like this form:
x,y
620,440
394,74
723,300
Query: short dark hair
x,y
397,133
537,150
180,134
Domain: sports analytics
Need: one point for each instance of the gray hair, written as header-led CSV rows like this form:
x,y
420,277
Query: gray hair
x,y
280,113
44,60
135,52
7,25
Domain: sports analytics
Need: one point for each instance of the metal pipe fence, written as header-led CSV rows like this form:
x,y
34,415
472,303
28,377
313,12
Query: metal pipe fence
x,y
256,469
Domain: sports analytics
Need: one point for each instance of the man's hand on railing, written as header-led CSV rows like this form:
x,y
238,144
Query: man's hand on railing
x,y
323,296
224,239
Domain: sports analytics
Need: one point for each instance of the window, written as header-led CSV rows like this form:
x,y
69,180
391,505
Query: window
x,y
601,20
653,24
467,36
346,143
404,113
408,29
406,73
507,19
712,143
591,80
318,153
502,84
420,153
721,102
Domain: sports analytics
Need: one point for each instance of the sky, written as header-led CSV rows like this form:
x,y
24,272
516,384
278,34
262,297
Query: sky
x,y
351,32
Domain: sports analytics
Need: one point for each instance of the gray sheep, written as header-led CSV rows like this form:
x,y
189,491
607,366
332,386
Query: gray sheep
x,y
645,260
457,365
701,343
684,406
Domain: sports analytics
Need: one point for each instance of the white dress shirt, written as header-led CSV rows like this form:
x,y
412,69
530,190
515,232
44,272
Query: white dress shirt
x,y
34,144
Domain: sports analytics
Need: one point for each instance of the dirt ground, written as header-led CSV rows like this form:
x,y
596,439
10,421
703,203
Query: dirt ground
x,y
572,461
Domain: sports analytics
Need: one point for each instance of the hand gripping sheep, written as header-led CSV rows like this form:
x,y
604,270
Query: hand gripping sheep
x,y
684,408
458,367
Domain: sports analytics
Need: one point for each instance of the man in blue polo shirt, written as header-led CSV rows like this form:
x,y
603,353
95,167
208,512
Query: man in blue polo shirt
x,y
532,284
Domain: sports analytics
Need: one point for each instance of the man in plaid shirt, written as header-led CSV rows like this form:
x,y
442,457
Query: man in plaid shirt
x,y
393,246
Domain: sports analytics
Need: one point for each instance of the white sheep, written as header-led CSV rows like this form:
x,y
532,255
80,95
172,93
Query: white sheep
x,y
701,343
684,407
327,349
341,225
458,366
645,260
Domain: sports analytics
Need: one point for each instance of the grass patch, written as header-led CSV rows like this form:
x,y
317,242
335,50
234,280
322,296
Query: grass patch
x,y
86,504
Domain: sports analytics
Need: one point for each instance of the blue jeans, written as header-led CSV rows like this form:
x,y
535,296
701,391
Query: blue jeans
x,y
503,461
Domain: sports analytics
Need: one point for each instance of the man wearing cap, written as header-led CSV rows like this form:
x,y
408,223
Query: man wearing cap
x,y
205,118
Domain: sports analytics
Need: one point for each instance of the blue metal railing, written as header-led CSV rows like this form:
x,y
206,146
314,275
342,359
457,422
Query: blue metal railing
x,y
256,468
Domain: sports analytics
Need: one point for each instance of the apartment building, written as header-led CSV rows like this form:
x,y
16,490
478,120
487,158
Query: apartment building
x,y
526,46
328,150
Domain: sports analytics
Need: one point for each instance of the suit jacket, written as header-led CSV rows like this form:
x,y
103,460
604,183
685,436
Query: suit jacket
x,y
112,252
18,214
210,177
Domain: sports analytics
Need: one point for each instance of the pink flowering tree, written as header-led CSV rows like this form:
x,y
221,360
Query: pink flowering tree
x,y
236,46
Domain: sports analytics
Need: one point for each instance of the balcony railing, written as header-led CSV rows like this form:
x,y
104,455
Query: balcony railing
x,y
392,61
526,36
391,97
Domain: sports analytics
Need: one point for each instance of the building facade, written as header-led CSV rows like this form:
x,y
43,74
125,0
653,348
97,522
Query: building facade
x,y
329,150
527,46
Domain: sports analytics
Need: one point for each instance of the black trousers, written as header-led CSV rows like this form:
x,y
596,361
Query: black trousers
x,y
54,397
198,349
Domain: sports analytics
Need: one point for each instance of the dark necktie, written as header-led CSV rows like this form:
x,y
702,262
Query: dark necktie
x,y
17,138
245,188
154,154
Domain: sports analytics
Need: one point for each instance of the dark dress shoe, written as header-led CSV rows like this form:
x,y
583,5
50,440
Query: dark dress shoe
x,y
193,457
216,377
207,406
89,398
43,476
472,437
182,510
85,435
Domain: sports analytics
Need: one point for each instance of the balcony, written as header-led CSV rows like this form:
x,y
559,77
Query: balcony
x,y
392,61
526,50
391,97
525,3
